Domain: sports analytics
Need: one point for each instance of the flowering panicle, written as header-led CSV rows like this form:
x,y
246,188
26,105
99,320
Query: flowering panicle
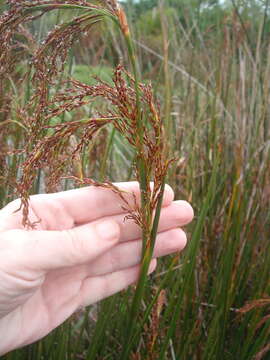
x,y
129,104
57,145
52,151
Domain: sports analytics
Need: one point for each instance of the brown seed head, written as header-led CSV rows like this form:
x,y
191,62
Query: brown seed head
x,y
123,21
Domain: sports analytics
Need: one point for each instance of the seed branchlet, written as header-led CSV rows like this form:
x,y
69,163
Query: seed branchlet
x,y
131,110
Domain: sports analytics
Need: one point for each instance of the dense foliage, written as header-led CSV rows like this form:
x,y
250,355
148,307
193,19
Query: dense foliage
x,y
209,65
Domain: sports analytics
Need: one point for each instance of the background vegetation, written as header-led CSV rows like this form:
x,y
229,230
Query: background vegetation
x,y
209,63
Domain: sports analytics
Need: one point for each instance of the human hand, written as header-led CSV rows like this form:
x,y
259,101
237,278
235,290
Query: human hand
x,y
79,253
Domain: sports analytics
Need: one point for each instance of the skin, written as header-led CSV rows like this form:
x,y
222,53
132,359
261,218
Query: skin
x,y
80,252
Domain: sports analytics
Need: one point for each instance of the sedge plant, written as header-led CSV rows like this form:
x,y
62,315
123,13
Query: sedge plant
x,y
216,300
131,110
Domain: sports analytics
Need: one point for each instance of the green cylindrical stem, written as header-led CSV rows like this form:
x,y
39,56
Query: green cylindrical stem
x,y
146,259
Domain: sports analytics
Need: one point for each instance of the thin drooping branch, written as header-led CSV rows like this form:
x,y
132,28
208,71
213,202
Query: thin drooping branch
x,y
130,108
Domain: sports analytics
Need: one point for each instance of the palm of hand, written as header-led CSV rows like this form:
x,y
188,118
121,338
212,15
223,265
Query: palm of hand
x,y
66,262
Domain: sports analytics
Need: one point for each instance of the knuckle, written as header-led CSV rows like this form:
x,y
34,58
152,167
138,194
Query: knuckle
x,y
65,221
75,246
114,260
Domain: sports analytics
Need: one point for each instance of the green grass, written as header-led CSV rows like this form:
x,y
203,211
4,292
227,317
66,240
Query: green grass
x,y
216,77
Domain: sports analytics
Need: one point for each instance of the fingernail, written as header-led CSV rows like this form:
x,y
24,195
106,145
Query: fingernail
x,y
108,230
152,266
169,193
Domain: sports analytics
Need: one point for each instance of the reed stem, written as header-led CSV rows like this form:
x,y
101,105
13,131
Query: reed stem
x,y
150,229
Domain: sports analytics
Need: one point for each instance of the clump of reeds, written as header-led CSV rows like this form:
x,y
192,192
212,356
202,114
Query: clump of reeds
x,y
131,110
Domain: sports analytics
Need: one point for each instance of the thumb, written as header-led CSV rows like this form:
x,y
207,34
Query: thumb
x,y
50,250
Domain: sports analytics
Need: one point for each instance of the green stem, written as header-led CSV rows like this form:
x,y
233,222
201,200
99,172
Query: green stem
x,y
140,129
150,229
146,259
106,155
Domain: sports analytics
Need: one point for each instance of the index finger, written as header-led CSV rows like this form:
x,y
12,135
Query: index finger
x,y
65,209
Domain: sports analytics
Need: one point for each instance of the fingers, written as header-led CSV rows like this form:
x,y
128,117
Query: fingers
x,y
93,203
49,250
94,289
62,210
179,213
128,254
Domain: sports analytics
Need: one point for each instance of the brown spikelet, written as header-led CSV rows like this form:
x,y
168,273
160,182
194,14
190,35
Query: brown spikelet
x,y
259,303
48,139
253,305
123,21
